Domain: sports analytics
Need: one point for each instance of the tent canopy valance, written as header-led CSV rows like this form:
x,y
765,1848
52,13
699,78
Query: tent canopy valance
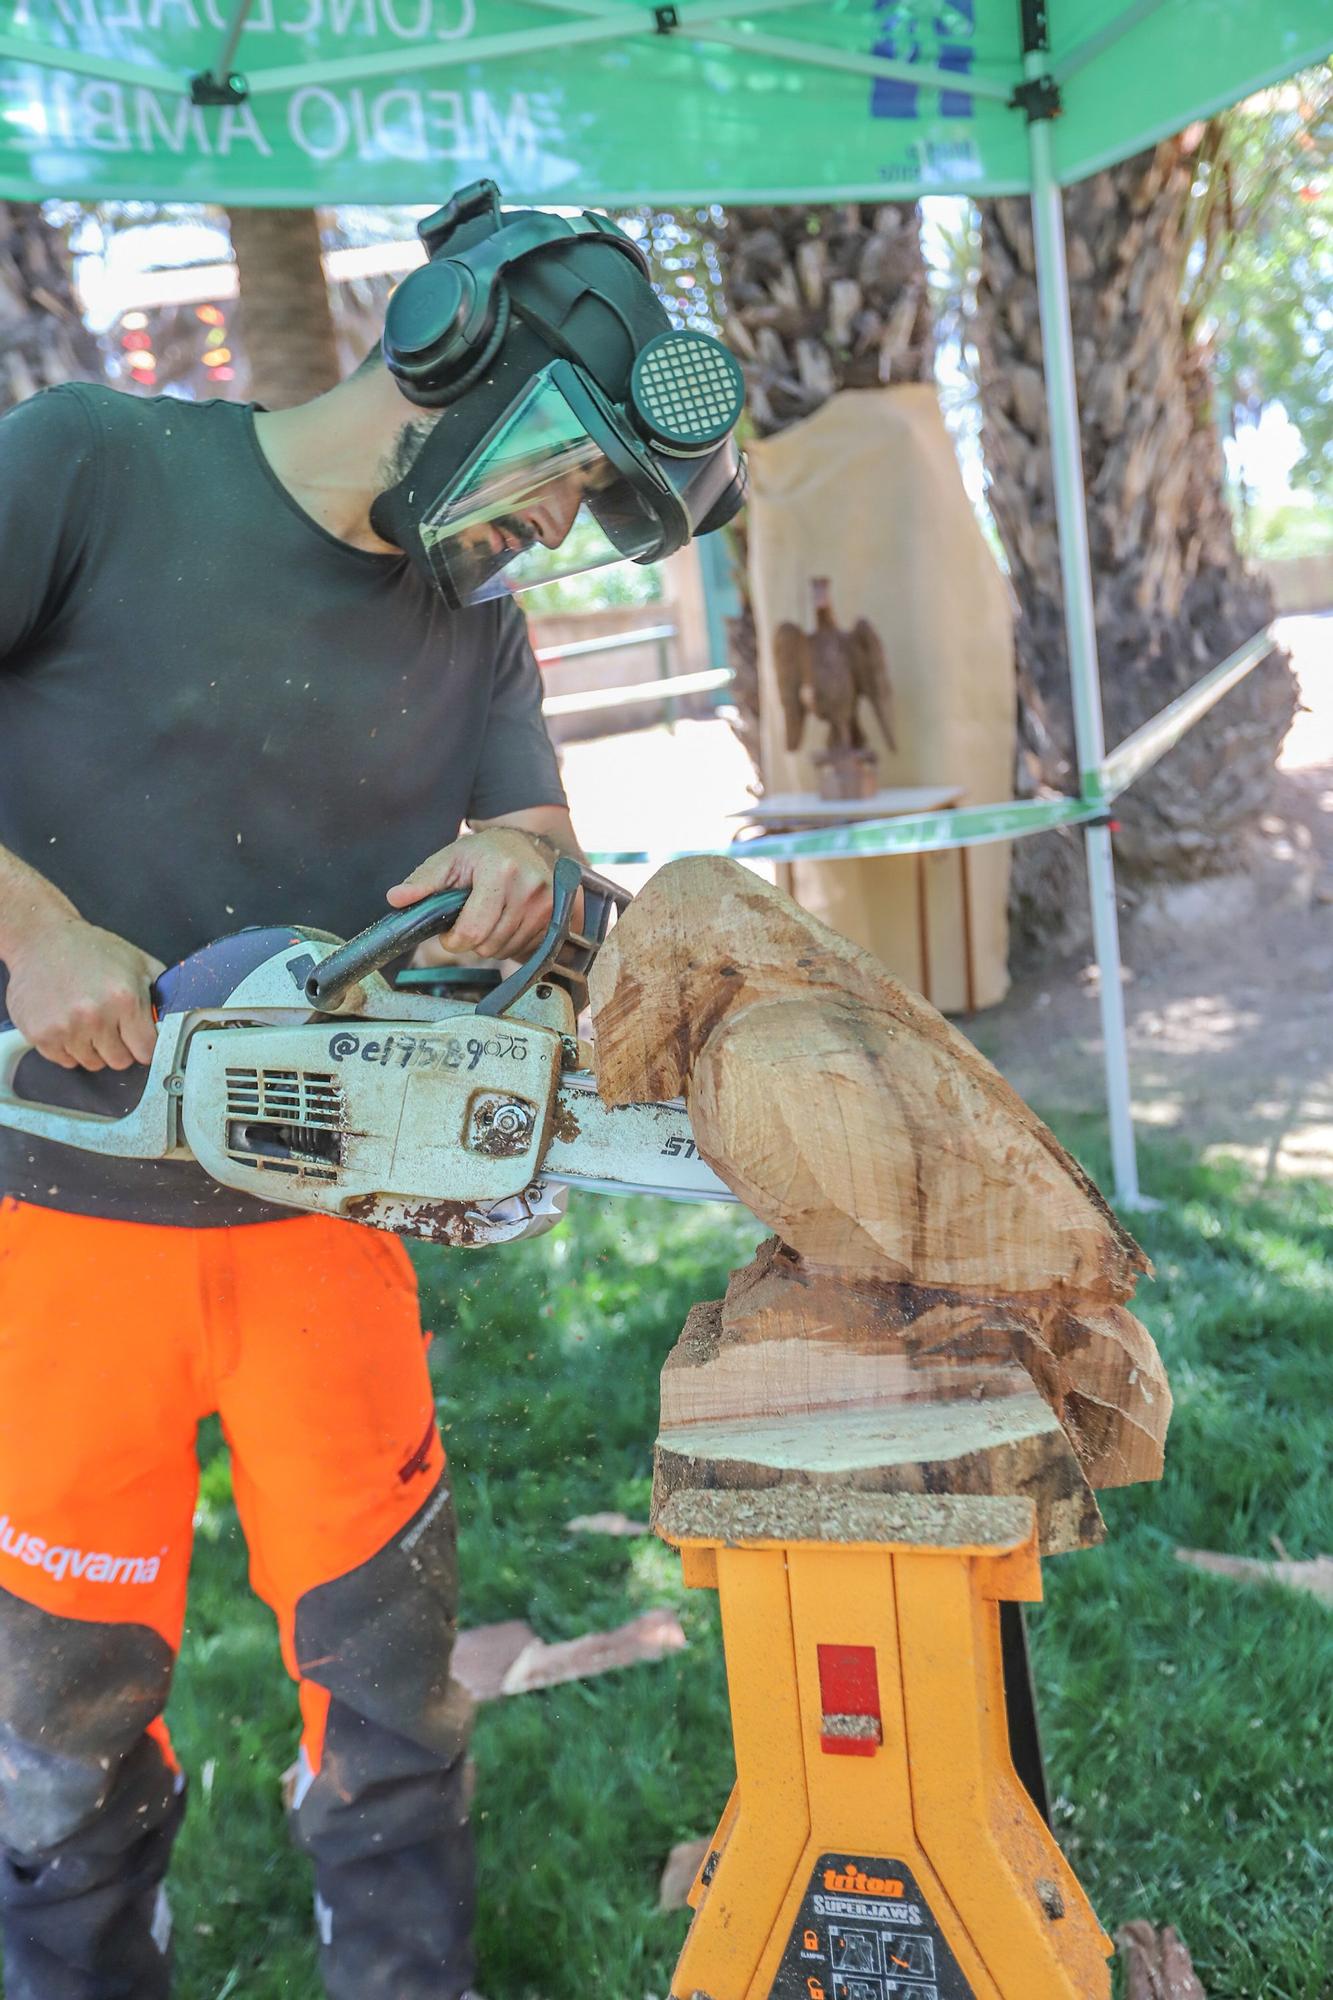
x,y
599,101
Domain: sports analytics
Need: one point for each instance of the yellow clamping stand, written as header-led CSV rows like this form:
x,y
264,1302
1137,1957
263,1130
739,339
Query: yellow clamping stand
x,y
878,1844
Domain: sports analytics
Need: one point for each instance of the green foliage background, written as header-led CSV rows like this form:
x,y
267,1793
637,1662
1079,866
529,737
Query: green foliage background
x,y
1265,266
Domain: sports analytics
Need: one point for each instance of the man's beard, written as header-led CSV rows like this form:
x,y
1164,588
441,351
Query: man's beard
x,y
407,449
478,563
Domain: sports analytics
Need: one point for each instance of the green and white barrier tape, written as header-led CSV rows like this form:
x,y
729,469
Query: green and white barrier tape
x,y
974,826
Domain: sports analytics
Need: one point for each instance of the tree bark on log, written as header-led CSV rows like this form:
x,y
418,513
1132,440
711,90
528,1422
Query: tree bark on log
x,y
937,1248
1173,595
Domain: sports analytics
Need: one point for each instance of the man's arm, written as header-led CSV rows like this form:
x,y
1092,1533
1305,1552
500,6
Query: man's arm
x,y
79,993
507,864
550,826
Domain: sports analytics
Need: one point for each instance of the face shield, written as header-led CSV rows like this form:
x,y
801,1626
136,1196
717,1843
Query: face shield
x,y
567,481
540,500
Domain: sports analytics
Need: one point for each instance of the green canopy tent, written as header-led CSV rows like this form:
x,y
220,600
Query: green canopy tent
x,y
313,102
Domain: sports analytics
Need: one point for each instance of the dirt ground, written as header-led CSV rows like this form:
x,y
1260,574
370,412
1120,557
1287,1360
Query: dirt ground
x,y
1229,989
1230,982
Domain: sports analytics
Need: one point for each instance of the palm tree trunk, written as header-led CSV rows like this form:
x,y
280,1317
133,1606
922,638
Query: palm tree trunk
x,y
818,299
822,299
43,339
286,318
1172,593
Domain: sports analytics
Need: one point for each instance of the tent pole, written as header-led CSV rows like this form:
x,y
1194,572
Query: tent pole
x,y
230,38
1081,635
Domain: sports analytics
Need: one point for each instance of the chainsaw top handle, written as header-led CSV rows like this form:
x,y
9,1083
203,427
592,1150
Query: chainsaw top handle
x,y
389,938
403,930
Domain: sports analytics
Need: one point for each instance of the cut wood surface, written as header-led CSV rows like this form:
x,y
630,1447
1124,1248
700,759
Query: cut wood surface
x,y
985,1522
943,1307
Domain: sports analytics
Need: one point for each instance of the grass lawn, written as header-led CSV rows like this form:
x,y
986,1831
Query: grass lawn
x,y
1187,1722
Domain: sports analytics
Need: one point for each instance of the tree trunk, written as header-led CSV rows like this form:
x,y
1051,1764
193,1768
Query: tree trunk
x,y
1173,595
43,339
817,300
286,318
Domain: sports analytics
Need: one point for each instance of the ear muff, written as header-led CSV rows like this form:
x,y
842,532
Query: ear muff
x,y
447,321
442,330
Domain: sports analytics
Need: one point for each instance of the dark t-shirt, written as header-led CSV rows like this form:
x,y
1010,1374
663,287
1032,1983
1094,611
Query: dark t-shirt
x,y
212,714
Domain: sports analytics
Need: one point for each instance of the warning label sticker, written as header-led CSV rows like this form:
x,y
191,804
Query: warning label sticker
x,y
864,1931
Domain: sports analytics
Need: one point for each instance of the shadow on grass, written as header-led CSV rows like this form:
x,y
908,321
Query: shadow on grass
x,y
1187,1722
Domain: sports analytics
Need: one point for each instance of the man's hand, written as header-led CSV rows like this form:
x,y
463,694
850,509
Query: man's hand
x,y
80,996
508,873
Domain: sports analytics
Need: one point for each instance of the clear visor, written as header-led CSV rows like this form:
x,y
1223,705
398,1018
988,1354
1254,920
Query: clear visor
x,y
540,501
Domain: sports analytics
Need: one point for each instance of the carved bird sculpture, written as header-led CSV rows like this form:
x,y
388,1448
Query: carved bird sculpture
x,y
827,673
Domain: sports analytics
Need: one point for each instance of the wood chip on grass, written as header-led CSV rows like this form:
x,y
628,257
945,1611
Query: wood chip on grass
x,y
606,1524
483,1656
1314,1576
509,1658
1156,1964
682,1865
652,1636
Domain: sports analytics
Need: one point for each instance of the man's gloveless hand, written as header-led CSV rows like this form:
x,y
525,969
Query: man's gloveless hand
x,y
80,996
508,874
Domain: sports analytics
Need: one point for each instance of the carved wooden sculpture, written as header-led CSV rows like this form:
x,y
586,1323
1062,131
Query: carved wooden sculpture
x,y
828,673
945,1307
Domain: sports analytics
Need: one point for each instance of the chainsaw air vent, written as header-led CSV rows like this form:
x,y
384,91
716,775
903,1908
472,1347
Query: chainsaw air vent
x,y
285,1121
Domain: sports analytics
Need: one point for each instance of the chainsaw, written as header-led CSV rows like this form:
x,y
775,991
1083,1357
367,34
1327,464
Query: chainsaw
x,y
451,1104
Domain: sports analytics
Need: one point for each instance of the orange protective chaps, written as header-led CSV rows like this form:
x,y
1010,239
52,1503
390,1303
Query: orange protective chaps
x,y
116,1338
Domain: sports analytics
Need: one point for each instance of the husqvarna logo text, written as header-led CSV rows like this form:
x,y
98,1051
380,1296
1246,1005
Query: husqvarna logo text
x,y
60,1561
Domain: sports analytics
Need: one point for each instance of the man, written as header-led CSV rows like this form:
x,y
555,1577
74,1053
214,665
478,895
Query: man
x,y
253,668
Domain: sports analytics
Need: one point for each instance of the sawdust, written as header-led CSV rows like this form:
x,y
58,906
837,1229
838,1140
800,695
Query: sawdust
x,y
854,1728
793,1514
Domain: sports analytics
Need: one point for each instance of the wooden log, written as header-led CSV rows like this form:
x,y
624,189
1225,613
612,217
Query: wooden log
x,y
937,1245
874,1152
